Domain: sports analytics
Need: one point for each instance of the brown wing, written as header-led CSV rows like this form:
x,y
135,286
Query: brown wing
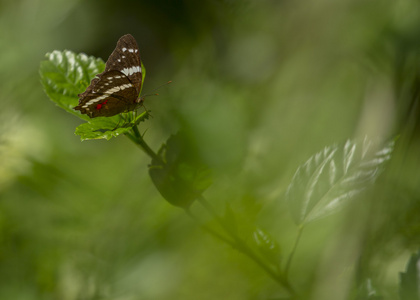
x,y
126,59
109,94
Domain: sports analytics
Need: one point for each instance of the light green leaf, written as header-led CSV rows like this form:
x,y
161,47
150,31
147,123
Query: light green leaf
x,y
108,127
65,74
334,176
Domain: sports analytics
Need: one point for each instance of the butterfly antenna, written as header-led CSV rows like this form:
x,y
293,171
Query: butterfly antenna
x,y
155,94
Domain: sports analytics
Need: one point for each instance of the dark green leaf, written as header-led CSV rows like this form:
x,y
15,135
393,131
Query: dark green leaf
x,y
410,280
334,176
178,175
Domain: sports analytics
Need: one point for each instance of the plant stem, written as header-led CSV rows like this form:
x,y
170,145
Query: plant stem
x,y
138,139
289,261
243,247
208,229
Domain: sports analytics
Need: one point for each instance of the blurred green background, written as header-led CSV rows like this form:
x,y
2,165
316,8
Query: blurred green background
x,y
259,86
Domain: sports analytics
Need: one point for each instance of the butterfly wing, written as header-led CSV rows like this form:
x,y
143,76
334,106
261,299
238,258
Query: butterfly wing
x,y
126,59
111,93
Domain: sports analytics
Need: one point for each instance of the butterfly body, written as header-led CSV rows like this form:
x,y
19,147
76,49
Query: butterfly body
x,y
117,89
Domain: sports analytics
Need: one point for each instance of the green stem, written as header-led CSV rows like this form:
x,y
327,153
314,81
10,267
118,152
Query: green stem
x,y
243,247
208,229
138,139
289,261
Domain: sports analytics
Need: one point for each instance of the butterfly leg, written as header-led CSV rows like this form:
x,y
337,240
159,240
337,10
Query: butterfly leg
x,y
145,108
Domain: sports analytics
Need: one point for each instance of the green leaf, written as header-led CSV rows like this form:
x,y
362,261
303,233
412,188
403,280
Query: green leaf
x,y
108,127
65,74
333,177
143,75
410,280
179,175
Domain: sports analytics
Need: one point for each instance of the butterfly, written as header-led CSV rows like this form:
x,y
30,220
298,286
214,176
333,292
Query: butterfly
x,y
117,89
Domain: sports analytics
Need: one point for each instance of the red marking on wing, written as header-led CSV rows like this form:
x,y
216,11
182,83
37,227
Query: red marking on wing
x,y
99,106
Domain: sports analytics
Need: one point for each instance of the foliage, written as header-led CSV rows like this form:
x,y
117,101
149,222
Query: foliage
x,y
410,279
178,176
274,149
325,183
334,176
65,74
